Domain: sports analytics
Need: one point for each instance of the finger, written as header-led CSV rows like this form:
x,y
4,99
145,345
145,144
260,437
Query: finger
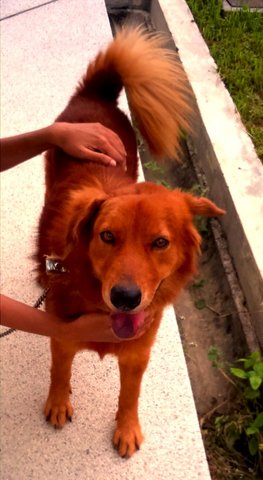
x,y
118,155
99,157
93,156
103,158
113,146
116,150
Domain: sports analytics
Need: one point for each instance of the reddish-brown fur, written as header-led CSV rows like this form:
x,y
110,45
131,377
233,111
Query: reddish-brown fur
x,y
84,199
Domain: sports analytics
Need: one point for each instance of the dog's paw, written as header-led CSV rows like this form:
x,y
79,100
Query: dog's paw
x,y
58,412
127,439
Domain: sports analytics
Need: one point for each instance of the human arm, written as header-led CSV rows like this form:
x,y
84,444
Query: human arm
x,y
86,141
93,327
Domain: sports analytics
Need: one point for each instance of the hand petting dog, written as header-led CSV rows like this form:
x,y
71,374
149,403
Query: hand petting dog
x,y
85,141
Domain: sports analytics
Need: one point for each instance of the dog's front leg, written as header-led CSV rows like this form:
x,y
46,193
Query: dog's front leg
x,y
128,437
58,408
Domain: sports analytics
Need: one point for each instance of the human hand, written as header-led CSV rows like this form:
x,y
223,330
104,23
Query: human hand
x,y
89,141
91,327
97,327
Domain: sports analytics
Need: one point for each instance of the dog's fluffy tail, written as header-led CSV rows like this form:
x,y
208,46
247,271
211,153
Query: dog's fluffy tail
x,y
155,82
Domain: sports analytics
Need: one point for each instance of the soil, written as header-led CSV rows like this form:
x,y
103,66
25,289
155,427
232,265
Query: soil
x,y
207,317
205,310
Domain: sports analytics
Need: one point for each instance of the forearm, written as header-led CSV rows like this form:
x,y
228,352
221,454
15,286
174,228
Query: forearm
x,y
17,315
17,149
86,141
93,327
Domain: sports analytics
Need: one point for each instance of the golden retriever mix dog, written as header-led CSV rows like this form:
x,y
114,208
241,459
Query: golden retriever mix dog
x,y
124,248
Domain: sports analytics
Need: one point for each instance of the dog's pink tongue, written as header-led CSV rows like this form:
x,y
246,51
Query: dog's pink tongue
x,y
126,325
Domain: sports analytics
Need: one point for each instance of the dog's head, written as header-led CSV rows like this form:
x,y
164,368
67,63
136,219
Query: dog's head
x,y
142,245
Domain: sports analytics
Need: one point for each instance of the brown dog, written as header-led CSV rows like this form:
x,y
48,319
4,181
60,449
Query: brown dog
x,y
126,248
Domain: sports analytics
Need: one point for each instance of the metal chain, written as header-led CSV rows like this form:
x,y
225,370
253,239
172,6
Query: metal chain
x,y
37,304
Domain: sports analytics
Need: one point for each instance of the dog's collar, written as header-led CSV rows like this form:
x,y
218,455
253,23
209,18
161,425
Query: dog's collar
x,y
54,265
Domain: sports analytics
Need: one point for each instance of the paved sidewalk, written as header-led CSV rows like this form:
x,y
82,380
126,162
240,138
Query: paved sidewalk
x,y
44,52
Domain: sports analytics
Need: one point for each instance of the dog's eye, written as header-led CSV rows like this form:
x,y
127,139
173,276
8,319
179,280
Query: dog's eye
x,y
107,237
160,242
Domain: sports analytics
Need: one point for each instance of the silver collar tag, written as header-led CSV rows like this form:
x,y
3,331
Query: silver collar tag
x,y
54,265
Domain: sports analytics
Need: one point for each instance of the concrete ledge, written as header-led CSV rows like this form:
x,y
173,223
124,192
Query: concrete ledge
x,y
224,151
254,6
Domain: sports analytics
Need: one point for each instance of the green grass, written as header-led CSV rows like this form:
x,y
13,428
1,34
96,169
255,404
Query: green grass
x,y
235,40
234,439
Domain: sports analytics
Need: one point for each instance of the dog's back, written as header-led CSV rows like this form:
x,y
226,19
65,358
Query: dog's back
x,y
157,94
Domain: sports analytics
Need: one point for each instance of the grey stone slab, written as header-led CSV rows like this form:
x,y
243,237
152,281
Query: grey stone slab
x,y
246,3
11,8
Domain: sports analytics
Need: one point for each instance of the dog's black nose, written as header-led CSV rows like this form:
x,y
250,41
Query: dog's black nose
x,y
125,298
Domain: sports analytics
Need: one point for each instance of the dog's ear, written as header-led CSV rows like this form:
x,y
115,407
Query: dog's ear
x,y
81,207
188,204
203,206
86,204
197,205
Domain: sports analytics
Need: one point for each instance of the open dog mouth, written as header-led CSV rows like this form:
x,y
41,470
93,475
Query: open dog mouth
x,y
126,325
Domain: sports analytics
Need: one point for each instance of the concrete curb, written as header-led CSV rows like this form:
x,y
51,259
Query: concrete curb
x,y
224,151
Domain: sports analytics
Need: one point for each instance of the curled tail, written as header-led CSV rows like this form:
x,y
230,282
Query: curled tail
x,y
155,83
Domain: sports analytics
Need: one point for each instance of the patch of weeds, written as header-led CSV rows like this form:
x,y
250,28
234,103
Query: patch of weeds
x,y
237,436
201,223
157,172
197,286
198,283
200,304
235,41
154,167
198,190
164,183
